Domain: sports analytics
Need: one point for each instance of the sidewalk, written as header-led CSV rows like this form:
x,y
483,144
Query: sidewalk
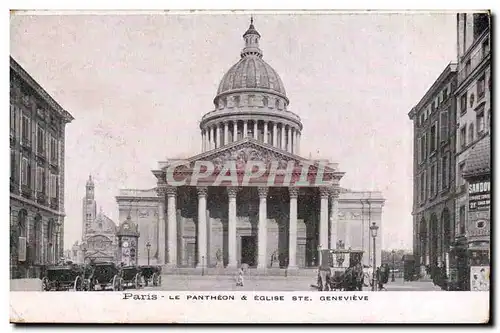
x,y
25,285
400,285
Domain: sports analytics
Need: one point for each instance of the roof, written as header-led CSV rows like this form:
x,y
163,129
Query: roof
x,y
478,163
19,70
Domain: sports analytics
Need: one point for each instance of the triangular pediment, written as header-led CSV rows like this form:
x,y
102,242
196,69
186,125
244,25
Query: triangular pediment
x,y
246,156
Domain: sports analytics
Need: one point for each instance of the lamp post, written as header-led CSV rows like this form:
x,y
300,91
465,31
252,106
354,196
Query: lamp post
x,y
148,247
393,255
84,250
374,230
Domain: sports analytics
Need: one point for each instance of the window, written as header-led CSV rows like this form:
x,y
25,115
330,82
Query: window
x,y
25,128
467,67
463,103
444,125
13,165
25,174
461,180
53,186
445,94
481,23
433,140
480,126
461,229
40,179
480,87
422,187
419,150
433,106
12,119
433,180
422,118
444,172
463,133
40,140
485,47
471,133
422,148
488,119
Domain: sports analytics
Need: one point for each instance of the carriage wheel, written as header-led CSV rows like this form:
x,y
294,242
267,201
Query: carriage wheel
x,y
45,284
155,279
137,284
78,284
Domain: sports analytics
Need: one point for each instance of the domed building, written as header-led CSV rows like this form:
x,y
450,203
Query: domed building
x,y
278,223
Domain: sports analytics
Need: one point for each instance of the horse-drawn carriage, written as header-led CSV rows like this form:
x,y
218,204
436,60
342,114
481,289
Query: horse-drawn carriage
x,y
63,277
130,277
340,269
151,274
104,274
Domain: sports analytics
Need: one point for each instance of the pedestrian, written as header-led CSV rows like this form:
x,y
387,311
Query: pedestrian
x,y
239,279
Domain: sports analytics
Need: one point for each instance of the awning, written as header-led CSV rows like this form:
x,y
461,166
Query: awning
x,y
478,163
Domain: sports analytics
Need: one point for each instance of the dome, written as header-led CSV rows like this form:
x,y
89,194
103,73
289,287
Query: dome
x,y
251,72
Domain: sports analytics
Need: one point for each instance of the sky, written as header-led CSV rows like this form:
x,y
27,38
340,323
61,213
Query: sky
x,y
138,85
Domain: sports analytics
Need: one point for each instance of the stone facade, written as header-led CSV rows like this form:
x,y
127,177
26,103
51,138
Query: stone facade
x,y
263,225
37,131
434,119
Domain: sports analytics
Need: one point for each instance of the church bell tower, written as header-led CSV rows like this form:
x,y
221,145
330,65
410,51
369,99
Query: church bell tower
x,y
89,207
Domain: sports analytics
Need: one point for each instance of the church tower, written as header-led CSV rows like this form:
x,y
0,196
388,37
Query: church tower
x,y
89,207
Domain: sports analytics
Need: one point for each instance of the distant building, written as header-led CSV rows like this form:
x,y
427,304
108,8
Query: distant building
x,y
99,240
473,96
434,172
37,146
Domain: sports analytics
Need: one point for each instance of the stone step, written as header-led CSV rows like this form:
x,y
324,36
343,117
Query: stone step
x,y
166,270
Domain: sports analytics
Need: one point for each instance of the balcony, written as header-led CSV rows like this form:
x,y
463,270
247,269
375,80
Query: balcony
x,y
54,203
26,191
26,143
41,197
14,186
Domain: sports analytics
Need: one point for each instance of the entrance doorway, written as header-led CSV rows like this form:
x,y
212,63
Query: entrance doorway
x,y
248,250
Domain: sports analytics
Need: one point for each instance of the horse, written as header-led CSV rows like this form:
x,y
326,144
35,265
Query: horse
x,y
352,279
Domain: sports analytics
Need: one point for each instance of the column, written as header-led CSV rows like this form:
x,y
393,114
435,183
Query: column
x,y
213,137
208,139
289,141
323,218
255,133
283,146
262,233
202,226
202,140
334,216
231,241
226,133
161,225
292,251
217,136
172,225
245,128
235,131
298,142
265,131
275,134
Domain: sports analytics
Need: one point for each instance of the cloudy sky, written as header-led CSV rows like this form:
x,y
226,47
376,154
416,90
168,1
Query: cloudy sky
x,y
138,85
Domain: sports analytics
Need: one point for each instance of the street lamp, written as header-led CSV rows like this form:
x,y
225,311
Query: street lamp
x,y
148,247
84,250
393,255
374,230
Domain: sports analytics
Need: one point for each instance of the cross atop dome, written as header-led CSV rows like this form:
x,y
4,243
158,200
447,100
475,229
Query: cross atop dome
x,y
251,37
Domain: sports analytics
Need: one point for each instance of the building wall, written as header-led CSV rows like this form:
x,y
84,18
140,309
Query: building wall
x,y
434,170
474,67
37,130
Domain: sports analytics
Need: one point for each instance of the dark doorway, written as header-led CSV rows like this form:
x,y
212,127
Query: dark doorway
x,y
248,250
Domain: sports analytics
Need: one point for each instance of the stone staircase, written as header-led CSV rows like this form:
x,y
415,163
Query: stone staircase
x,y
215,271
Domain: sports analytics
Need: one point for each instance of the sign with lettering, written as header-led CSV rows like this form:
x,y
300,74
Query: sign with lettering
x,y
479,195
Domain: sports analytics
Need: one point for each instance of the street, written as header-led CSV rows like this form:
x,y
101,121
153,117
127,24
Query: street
x,y
267,283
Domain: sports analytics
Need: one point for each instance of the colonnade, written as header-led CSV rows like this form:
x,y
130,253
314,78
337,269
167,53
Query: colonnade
x,y
326,193
279,135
